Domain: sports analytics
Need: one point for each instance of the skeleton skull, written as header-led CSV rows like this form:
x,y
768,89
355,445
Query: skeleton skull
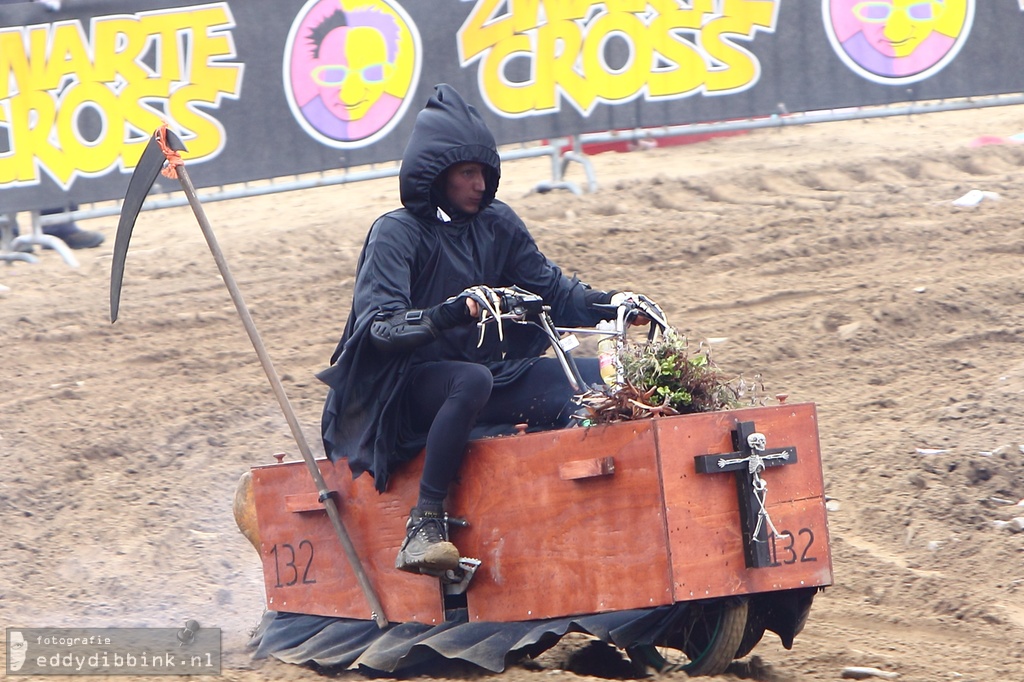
x,y
757,442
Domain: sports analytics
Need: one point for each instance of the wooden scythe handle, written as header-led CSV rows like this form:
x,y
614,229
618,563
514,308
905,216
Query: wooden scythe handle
x,y
325,496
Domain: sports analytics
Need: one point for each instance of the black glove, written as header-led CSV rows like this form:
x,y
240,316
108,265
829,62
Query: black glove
x,y
451,313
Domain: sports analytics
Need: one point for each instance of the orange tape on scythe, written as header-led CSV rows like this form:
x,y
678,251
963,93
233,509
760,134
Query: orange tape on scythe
x,y
173,157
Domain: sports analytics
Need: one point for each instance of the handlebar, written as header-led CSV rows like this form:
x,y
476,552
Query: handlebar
x,y
519,306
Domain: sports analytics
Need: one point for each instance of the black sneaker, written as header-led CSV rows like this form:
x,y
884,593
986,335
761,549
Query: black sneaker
x,y
75,237
426,548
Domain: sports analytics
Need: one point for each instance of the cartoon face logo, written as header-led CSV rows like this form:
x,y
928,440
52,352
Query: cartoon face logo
x,y
18,649
897,41
350,67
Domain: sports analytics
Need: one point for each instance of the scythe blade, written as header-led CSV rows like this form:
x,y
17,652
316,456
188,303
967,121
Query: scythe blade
x,y
149,166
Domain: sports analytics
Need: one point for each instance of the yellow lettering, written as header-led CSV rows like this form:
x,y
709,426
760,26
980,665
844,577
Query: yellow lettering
x,y
559,45
203,133
165,27
67,57
210,47
627,82
14,66
37,49
87,156
141,117
739,18
132,73
208,83
482,30
32,115
687,70
676,49
559,10
512,98
118,43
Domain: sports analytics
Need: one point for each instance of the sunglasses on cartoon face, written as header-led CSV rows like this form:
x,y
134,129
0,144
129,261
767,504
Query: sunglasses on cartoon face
x,y
336,74
879,12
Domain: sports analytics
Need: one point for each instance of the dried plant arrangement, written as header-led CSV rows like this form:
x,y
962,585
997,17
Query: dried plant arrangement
x,y
664,377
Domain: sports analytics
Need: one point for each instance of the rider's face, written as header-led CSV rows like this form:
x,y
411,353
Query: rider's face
x,y
465,186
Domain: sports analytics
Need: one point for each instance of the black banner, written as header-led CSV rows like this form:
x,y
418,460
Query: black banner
x,y
269,88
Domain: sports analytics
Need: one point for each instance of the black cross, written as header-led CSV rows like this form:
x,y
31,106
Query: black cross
x,y
747,463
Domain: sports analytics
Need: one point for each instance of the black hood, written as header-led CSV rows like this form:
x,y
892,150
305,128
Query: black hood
x,y
447,131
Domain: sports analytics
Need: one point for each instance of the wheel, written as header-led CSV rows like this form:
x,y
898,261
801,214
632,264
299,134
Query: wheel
x,y
752,634
704,644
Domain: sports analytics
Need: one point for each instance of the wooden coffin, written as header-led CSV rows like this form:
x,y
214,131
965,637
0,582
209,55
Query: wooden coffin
x,y
566,522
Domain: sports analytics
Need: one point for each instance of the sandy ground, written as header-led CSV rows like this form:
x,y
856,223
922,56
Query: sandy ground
x,y
830,256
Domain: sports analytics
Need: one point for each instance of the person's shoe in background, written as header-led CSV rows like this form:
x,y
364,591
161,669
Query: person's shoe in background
x,y
74,236
70,233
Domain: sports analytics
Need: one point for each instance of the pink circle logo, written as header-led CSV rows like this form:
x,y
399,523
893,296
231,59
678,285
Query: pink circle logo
x,y
349,69
897,41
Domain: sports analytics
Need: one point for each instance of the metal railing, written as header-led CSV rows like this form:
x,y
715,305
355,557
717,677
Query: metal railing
x,y
785,119
562,152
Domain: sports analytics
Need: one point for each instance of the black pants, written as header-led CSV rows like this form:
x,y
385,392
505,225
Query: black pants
x,y
447,399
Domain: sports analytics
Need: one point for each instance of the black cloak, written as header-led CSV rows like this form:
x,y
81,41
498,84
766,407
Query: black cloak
x,y
412,259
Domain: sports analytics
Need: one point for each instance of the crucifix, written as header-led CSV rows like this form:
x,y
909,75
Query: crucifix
x,y
752,456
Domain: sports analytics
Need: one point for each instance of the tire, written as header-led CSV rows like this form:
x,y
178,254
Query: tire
x,y
752,634
705,643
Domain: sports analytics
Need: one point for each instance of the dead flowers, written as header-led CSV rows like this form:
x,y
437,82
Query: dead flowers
x,y
663,378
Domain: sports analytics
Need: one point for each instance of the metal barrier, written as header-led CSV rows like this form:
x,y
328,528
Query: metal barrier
x,y
562,151
275,185
12,248
784,118
9,246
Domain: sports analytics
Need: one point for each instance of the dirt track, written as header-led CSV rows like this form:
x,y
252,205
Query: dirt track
x,y
830,257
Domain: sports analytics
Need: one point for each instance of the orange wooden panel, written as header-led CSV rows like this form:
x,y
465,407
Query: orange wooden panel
x,y
709,563
702,510
304,567
552,547
646,531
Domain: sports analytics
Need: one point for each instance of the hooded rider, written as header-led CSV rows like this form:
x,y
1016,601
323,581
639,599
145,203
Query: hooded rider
x,y
408,373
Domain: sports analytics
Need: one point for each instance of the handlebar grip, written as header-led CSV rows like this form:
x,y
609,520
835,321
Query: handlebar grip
x,y
519,304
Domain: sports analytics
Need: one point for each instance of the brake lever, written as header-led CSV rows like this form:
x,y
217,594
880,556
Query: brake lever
x,y
648,308
504,303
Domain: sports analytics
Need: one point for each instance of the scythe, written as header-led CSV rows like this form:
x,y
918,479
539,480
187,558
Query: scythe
x,y
162,149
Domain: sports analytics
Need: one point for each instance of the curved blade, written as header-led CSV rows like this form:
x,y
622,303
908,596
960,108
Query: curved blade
x,y
141,182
